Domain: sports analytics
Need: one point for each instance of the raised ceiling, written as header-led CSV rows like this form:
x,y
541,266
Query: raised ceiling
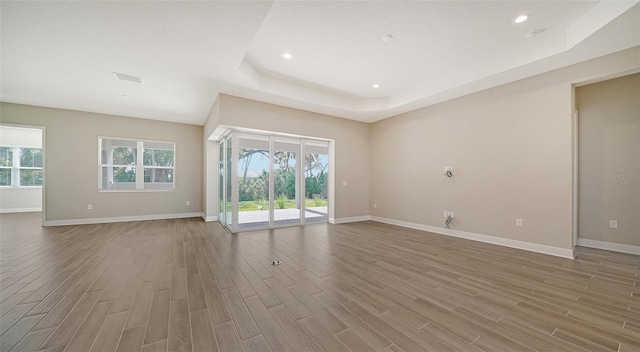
x,y
63,54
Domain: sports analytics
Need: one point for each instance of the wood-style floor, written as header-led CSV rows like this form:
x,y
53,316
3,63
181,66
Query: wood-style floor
x,y
183,285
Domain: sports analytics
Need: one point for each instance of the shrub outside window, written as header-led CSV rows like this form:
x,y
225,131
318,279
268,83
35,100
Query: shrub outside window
x,y
136,164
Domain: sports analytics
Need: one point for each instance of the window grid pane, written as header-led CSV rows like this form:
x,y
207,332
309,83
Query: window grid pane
x,y
30,177
154,175
118,177
6,156
124,156
158,157
118,152
5,177
30,157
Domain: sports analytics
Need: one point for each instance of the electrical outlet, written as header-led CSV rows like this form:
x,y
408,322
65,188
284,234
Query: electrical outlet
x,y
448,214
613,224
451,215
519,222
344,183
375,205
89,206
188,203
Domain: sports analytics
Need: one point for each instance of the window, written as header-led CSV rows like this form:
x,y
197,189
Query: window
x,y
136,165
20,167
6,164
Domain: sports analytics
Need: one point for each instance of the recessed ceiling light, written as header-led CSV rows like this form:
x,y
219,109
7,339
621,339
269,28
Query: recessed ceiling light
x,y
387,38
521,18
128,78
376,85
124,96
287,56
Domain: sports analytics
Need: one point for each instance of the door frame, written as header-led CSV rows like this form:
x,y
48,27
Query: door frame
x,y
234,136
44,162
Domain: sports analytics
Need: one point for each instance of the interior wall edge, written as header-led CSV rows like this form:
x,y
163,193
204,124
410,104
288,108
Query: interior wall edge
x,y
20,210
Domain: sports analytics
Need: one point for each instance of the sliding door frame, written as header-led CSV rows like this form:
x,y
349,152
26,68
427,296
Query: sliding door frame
x,y
300,188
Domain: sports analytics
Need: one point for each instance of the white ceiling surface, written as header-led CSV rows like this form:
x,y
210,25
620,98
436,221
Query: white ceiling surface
x,y
62,54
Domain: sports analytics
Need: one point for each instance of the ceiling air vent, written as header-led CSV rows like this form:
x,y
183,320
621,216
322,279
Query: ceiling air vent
x,y
129,78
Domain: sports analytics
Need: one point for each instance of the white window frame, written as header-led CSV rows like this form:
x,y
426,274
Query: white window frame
x,y
16,167
139,167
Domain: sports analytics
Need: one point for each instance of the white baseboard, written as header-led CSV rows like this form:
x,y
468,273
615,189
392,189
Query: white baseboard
x,y
209,218
610,246
350,219
527,246
20,210
120,219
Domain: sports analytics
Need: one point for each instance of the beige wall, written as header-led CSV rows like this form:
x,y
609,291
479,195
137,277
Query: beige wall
x,y
609,160
71,172
351,143
511,152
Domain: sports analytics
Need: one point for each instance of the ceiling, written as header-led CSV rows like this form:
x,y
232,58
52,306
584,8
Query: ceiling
x,y
64,54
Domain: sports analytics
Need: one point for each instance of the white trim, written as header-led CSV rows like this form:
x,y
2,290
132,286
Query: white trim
x,y
576,194
120,219
527,246
350,219
611,246
20,210
210,218
20,188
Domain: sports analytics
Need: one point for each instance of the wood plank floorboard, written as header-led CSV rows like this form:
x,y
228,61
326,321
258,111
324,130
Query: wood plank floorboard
x,y
187,285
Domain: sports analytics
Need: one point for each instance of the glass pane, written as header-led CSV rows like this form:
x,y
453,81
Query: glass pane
x,y
157,157
221,183
30,177
5,177
229,190
118,152
158,178
253,183
286,199
124,156
6,156
315,184
30,157
118,177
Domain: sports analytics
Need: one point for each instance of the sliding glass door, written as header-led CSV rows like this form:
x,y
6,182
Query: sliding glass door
x,y
225,184
221,184
286,208
271,181
253,182
316,169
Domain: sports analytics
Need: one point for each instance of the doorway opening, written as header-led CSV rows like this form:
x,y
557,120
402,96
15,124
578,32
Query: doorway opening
x,y
606,165
22,169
